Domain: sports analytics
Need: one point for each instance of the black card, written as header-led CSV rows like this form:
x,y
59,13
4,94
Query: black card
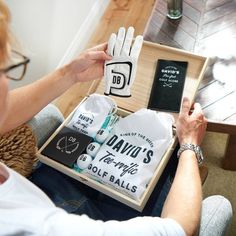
x,y
67,146
168,85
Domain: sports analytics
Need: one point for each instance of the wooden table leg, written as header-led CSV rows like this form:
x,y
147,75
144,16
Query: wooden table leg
x,y
229,161
203,170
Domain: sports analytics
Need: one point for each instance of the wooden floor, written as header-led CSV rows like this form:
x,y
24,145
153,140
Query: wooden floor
x,y
118,13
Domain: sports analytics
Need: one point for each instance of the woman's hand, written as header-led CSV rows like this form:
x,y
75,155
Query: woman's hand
x,y
191,128
89,65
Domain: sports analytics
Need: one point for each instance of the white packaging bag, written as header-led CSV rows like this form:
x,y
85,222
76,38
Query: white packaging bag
x,y
132,152
90,115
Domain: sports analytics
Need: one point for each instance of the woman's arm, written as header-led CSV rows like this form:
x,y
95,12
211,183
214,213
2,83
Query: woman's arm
x,y
27,101
183,203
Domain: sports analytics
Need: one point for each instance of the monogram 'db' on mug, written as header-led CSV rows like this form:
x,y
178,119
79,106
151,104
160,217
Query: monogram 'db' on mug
x,y
174,9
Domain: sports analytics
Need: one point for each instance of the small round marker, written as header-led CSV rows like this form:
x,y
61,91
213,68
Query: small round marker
x,y
83,161
92,149
101,136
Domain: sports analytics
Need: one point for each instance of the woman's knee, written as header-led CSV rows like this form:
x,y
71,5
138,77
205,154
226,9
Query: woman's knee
x,y
216,216
45,122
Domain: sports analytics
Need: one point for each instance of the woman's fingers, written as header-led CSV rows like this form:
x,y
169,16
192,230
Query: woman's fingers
x,y
98,55
185,106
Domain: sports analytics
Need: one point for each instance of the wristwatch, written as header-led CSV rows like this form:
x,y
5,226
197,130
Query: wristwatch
x,y
195,148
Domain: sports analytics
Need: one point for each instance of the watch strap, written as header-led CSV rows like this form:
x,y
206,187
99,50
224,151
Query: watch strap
x,y
195,148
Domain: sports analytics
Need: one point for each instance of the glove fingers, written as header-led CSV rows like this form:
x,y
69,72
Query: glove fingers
x,y
127,42
137,46
119,41
111,44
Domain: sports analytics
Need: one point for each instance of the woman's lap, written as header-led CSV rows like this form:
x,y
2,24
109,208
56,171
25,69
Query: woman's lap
x,y
78,198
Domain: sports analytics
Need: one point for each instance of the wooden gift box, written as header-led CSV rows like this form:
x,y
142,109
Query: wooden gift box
x,y
140,94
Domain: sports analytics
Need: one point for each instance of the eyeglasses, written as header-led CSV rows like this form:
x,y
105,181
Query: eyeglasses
x,y
17,70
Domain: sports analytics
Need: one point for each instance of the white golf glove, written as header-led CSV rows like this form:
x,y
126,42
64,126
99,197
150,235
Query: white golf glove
x,y
121,70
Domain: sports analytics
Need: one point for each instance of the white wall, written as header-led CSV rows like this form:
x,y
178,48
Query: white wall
x,y
50,32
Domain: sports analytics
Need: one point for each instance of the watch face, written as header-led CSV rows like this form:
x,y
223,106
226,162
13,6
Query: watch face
x,y
199,154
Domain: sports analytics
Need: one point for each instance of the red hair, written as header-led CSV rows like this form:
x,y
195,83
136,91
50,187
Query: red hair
x,y
5,36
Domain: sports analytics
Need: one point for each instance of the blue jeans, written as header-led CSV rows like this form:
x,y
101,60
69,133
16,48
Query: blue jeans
x,y
75,197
